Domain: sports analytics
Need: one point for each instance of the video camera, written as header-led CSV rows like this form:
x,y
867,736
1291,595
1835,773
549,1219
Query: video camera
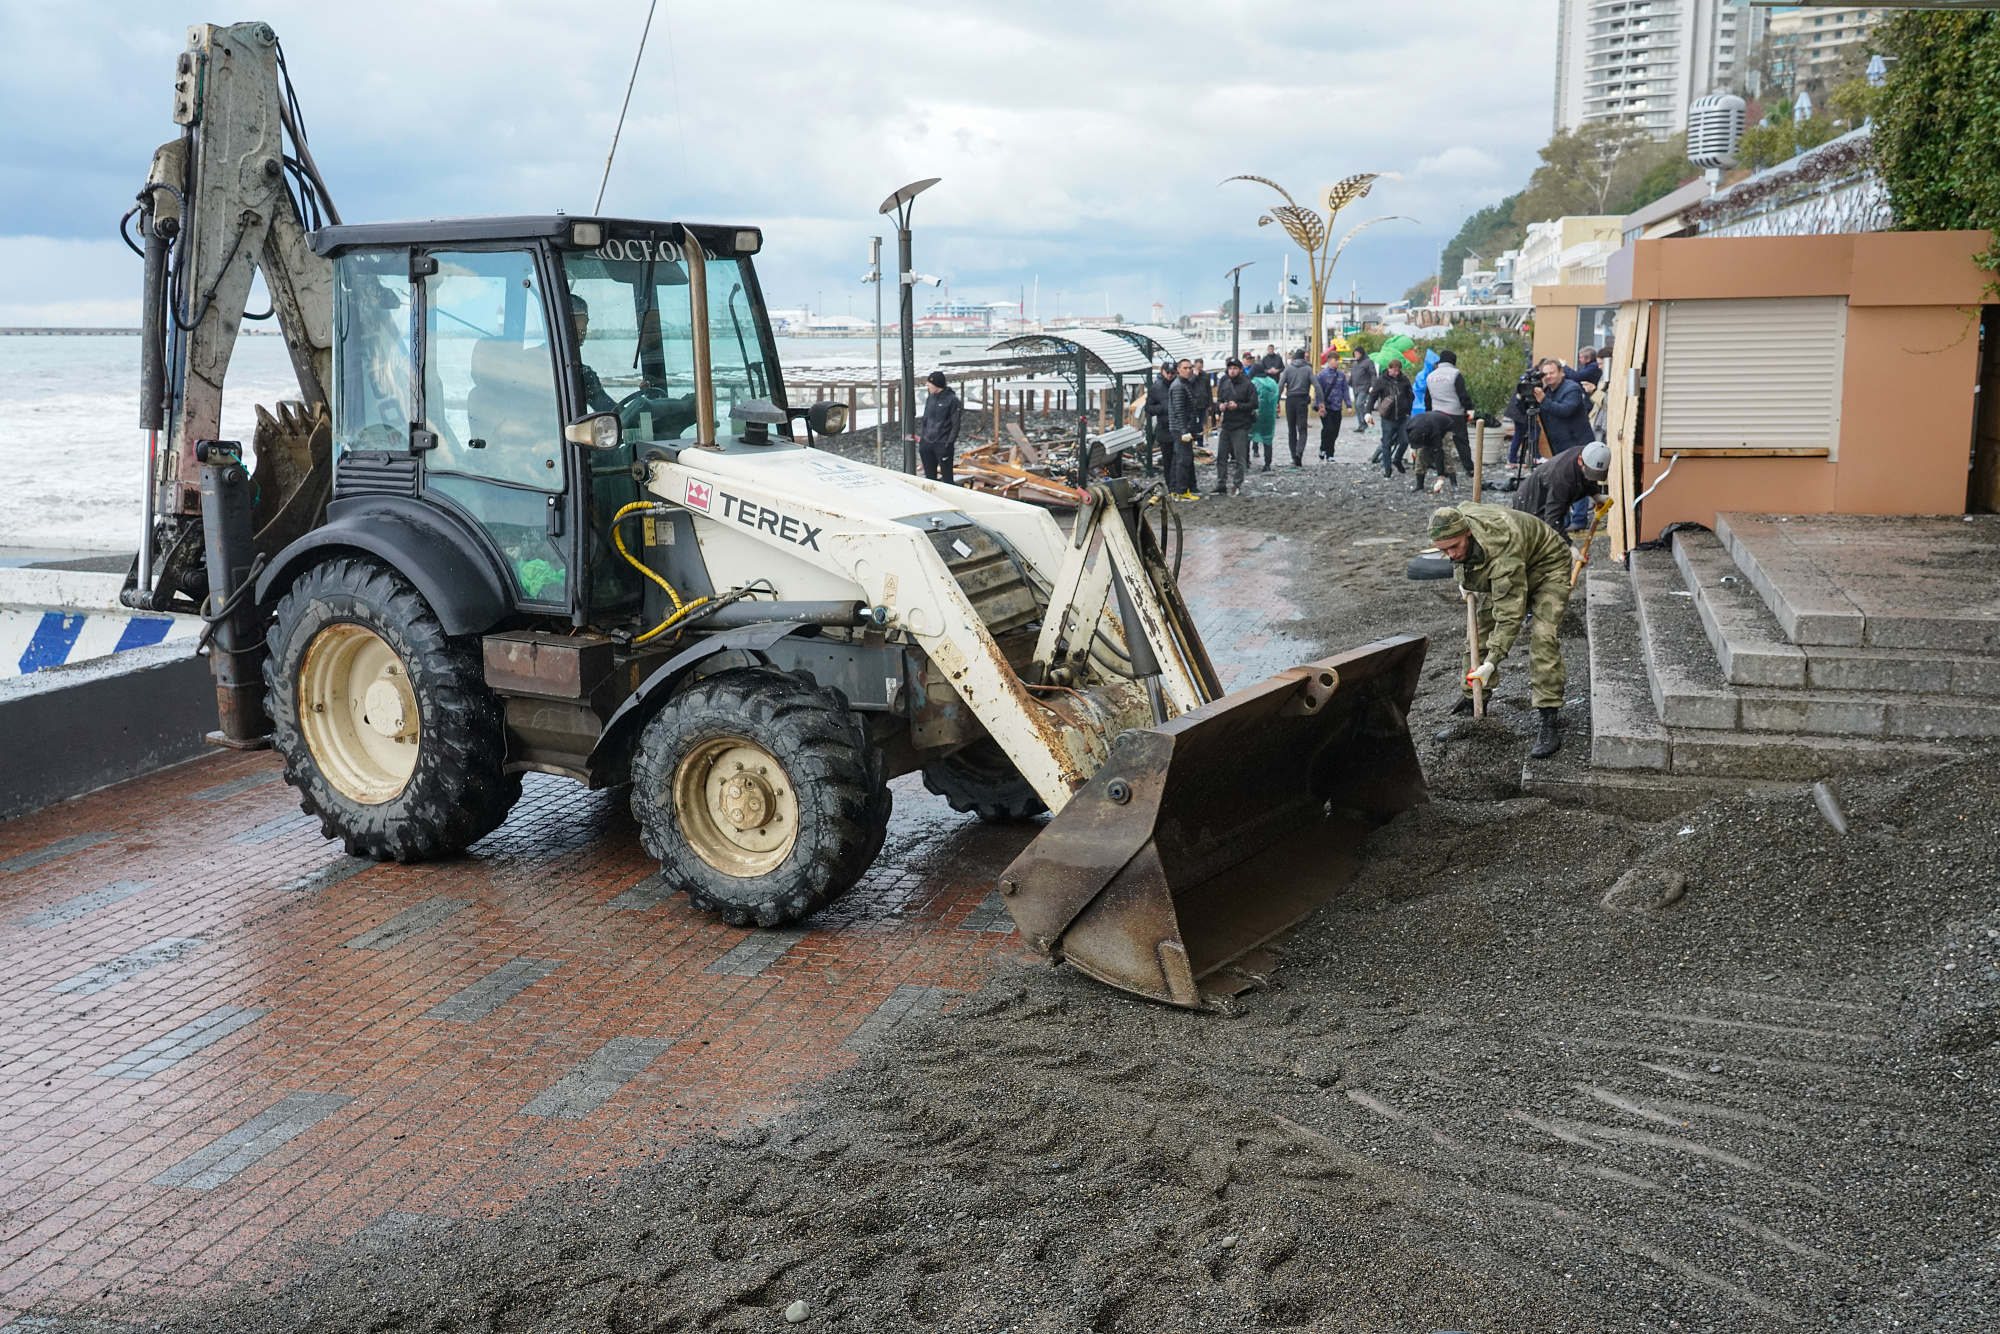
x,y
1524,391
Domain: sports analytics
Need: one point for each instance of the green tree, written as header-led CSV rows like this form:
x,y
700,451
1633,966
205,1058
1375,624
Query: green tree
x,y
1486,233
1419,292
1937,123
1594,170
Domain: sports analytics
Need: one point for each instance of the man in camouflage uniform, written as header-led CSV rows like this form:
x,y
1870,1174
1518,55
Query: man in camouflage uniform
x,y
1518,564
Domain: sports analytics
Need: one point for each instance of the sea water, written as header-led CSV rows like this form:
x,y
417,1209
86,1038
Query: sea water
x,y
73,459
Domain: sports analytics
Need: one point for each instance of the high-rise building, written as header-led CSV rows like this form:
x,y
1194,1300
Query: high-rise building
x,y
1643,61
1807,46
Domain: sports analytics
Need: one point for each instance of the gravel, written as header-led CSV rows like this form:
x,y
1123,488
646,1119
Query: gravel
x,y
1538,1068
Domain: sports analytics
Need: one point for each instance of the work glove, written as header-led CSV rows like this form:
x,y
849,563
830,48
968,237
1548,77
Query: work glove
x,y
1187,439
1576,554
1482,675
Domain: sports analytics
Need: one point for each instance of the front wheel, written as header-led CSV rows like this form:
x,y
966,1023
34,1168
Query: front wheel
x,y
757,793
980,778
385,723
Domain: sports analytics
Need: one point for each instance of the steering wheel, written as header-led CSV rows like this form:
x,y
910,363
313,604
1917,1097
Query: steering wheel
x,y
671,415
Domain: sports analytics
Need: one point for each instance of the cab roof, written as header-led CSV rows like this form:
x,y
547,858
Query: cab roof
x,y
718,239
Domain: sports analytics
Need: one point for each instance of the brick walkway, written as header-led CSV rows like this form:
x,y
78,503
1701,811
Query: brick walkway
x,y
220,1039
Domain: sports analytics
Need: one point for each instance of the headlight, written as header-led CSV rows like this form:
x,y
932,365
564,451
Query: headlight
x,y
600,430
827,418
749,242
588,235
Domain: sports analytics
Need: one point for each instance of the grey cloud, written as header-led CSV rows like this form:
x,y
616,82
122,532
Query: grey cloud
x,y
1077,141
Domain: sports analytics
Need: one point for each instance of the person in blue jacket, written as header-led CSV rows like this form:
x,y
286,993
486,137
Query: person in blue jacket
x,y
1422,401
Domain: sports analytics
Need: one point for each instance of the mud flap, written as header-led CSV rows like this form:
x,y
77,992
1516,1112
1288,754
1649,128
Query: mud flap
x,y
1201,839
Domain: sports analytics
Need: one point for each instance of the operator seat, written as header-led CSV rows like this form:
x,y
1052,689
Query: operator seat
x,y
512,400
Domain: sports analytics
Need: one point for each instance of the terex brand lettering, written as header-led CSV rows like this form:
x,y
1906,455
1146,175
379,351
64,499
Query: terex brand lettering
x,y
769,520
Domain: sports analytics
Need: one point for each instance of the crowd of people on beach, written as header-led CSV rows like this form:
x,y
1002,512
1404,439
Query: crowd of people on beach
x,y
1422,418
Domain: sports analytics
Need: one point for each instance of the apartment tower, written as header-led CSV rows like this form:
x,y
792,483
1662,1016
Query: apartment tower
x,y
1645,60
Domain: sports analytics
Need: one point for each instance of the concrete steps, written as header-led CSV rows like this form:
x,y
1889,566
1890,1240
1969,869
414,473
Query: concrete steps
x,y
1753,650
1691,678
1627,734
1892,582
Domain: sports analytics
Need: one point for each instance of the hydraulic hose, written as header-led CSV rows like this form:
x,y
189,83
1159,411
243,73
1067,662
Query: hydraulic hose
x,y
681,609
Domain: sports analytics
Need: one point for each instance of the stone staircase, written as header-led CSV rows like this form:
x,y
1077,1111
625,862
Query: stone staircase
x,y
1787,647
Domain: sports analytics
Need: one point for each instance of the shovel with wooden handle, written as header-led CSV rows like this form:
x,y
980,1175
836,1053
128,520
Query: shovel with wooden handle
x,y
1472,645
1577,563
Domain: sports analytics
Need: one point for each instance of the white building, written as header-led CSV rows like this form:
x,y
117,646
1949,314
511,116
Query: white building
x,y
1645,60
1807,46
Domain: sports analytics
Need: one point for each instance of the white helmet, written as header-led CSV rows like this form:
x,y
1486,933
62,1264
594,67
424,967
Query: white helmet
x,y
1596,460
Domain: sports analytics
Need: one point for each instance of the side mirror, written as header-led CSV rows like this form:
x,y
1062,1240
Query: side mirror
x,y
600,430
826,418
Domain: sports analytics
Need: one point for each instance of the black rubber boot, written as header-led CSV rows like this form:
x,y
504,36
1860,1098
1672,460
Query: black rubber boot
x,y
1550,741
1462,709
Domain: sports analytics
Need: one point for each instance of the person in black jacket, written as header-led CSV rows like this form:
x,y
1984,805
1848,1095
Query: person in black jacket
x,y
1390,401
1575,474
1361,379
1428,433
1156,414
939,443
1204,396
1183,427
1236,398
1565,411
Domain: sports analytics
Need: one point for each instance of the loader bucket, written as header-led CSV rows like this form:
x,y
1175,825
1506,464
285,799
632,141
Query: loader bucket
x,y
1201,839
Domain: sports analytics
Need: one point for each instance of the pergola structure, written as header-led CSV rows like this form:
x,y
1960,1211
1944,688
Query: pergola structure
x,y
1076,355
1158,342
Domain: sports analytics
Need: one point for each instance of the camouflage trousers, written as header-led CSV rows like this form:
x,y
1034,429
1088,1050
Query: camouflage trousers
x,y
1546,677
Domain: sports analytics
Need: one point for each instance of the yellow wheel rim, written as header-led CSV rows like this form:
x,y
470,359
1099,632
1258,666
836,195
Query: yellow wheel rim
x,y
737,807
358,713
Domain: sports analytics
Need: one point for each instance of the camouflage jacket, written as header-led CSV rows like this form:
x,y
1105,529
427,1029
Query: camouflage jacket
x,y
1514,553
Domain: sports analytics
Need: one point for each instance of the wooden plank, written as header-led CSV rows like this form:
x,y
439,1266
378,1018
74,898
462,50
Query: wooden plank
x,y
1624,532
1617,413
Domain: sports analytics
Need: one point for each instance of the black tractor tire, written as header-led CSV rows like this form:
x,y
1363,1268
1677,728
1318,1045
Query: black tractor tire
x,y
822,773
457,791
981,779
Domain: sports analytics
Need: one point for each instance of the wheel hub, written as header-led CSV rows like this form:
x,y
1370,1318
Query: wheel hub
x,y
736,806
358,713
746,801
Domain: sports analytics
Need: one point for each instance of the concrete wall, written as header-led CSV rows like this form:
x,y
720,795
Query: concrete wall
x,y
1911,365
68,730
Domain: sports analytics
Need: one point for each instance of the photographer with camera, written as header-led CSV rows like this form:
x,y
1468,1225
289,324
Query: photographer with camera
x,y
1526,414
1564,409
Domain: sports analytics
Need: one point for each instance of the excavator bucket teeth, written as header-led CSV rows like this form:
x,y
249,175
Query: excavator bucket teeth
x,y
1203,838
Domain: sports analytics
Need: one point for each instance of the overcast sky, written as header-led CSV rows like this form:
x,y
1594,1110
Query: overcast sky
x,y
1080,142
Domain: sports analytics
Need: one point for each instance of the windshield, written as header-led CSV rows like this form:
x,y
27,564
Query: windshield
x,y
628,302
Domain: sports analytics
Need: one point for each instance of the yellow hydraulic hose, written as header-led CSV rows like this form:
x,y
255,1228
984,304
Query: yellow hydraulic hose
x,y
681,609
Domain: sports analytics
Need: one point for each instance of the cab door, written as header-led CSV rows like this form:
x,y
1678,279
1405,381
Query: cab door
x,y
492,415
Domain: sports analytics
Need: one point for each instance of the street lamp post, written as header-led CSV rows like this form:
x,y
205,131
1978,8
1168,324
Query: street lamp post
x,y
1235,277
900,202
874,275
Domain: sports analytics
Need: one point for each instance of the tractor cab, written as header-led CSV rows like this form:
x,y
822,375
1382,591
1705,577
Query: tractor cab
x,y
478,364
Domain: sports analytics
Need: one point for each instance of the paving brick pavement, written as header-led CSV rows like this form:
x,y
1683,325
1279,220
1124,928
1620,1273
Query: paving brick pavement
x,y
221,1039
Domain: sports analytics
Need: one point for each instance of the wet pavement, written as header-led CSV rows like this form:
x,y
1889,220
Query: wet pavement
x,y
222,1043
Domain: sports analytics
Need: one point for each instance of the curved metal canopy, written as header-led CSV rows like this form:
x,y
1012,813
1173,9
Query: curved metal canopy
x,y
1158,342
1104,353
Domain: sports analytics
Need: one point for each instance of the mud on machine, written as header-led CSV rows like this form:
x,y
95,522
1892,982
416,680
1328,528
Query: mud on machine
x,y
545,505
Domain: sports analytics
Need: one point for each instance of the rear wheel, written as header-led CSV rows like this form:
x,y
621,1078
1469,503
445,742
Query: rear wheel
x,y
386,725
757,793
980,778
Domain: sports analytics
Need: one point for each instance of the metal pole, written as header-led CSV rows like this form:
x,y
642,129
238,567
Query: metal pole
x,y
623,107
906,315
881,401
1236,314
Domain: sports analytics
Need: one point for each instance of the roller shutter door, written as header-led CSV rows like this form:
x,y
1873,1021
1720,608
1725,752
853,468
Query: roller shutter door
x,y
1751,374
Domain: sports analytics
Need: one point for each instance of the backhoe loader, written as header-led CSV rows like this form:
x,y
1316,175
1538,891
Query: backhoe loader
x,y
545,506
